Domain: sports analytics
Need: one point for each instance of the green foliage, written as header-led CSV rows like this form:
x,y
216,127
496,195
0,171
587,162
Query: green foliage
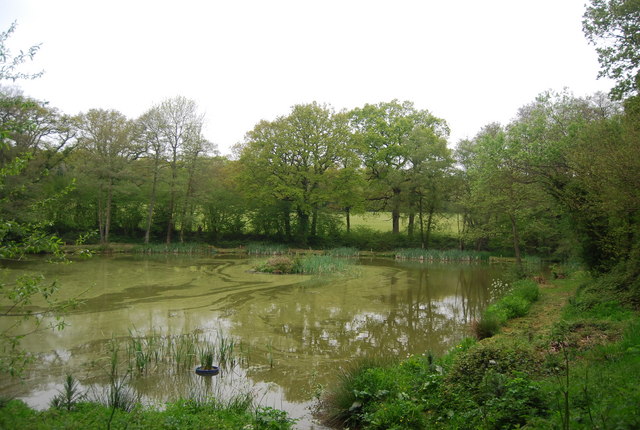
x,y
70,395
515,303
474,386
179,415
613,26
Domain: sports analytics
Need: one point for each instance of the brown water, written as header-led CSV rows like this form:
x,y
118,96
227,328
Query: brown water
x,y
292,332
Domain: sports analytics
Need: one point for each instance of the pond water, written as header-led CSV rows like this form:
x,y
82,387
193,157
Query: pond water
x,y
291,333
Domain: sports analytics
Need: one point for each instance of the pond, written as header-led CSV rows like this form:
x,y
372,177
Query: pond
x,y
291,334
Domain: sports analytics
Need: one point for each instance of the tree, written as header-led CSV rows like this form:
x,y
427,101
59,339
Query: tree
x,y
150,126
380,134
288,161
429,170
9,64
107,138
180,127
613,27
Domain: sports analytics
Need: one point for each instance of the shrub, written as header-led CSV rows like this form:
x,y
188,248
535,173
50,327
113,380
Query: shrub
x,y
469,368
527,289
510,306
488,325
278,264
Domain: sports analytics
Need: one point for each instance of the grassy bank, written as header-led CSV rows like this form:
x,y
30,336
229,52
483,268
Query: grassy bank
x,y
567,360
182,414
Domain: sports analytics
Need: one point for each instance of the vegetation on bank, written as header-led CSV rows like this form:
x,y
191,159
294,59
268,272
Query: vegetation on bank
x,y
184,414
549,369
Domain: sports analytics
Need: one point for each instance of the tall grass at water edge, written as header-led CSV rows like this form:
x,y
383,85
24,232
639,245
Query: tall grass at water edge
x,y
434,255
322,265
176,248
266,249
343,252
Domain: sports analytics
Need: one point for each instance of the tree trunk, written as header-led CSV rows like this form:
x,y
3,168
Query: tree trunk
x,y
348,219
395,220
107,217
152,203
429,226
516,239
410,226
303,226
314,222
286,217
421,220
100,221
395,212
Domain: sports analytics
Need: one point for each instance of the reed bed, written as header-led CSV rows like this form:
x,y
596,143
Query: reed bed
x,y
344,252
177,353
322,265
434,255
267,249
176,248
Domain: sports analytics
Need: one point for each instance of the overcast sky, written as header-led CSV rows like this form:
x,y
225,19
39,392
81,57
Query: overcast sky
x,y
470,62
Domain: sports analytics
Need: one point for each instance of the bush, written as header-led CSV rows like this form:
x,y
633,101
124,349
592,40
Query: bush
x,y
488,325
277,264
510,306
469,368
527,289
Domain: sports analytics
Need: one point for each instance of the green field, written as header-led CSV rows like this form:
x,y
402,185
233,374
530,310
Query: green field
x,y
381,221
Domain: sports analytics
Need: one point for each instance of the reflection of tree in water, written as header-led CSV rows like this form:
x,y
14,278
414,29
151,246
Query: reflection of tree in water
x,y
400,311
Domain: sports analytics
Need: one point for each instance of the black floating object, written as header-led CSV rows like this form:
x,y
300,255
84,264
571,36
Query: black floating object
x,y
210,372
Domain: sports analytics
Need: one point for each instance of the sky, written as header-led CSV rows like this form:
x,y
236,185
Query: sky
x,y
469,62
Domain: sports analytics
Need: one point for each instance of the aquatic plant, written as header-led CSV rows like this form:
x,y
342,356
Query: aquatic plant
x,y
206,357
175,248
69,396
266,249
183,350
308,265
322,265
434,255
279,264
345,252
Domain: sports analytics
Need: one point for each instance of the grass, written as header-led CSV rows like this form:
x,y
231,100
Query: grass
x,y
310,264
381,221
344,252
237,413
267,249
515,303
175,248
434,255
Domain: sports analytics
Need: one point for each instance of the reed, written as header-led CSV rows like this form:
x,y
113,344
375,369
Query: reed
x,y
322,265
267,249
183,350
176,248
344,252
446,256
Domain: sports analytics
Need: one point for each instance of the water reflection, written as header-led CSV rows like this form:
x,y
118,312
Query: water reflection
x,y
295,330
